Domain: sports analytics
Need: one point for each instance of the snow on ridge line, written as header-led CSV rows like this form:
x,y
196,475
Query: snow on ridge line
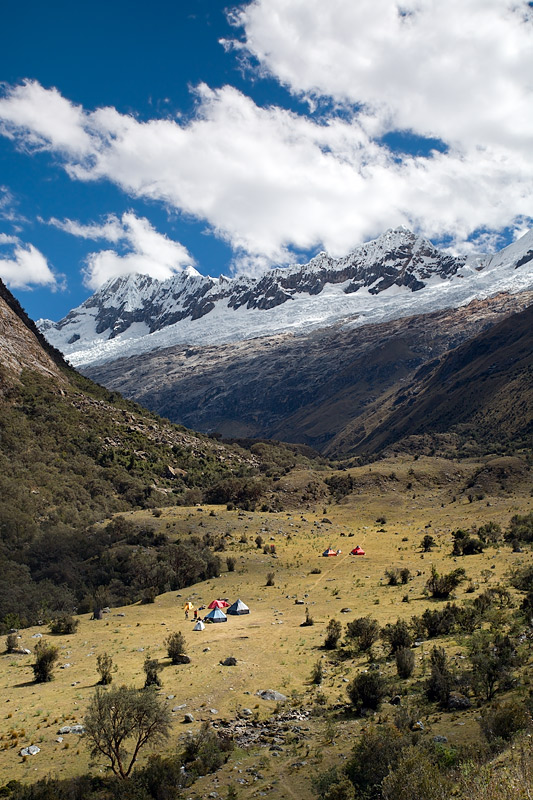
x,y
303,314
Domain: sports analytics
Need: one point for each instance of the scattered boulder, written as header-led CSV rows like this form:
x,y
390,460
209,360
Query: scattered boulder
x,y
246,712
32,750
182,659
270,694
458,702
396,700
188,718
230,661
440,739
346,610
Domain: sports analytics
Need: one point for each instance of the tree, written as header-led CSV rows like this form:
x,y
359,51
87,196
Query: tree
x,y
427,543
11,643
124,715
176,646
397,635
405,662
104,665
492,660
333,634
46,656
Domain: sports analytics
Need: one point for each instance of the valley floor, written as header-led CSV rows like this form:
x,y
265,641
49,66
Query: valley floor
x,y
392,506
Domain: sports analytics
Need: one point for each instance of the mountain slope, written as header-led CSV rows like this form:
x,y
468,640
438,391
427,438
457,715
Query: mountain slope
x,y
394,276
482,391
297,388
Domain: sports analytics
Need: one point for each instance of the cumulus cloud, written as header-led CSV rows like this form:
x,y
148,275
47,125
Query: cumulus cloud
x,y
459,70
25,267
272,182
143,249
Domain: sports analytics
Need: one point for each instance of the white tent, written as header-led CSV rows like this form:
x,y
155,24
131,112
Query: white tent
x,y
238,607
199,626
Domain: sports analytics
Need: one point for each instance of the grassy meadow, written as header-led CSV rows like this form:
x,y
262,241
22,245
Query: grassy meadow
x,y
392,505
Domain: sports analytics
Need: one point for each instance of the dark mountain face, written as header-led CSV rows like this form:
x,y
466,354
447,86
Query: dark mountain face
x,y
482,390
328,389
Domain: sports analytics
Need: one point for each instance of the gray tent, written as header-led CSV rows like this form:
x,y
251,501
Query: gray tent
x,y
216,615
238,607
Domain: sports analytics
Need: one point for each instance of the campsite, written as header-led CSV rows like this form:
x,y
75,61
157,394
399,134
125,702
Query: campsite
x,y
271,648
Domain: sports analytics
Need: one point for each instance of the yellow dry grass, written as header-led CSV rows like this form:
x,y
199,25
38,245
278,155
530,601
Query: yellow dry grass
x,y
273,651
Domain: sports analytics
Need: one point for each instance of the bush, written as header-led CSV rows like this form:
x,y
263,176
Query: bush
x,y
333,634
363,632
427,543
104,665
415,776
63,625
393,576
503,721
11,642
439,684
231,563
405,575
397,635
492,660
270,579
259,541
405,662
206,751
176,646
367,690
441,586
46,656
373,757
308,620
317,674
152,668
466,545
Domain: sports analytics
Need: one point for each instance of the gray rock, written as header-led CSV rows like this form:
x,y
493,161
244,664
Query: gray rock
x,y
270,694
213,711
32,750
188,718
458,702
418,726
440,739
246,712
346,610
180,708
230,661
396,700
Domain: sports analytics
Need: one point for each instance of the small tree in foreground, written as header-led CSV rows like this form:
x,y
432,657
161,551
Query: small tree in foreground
x,y
121,716
11,642
46,656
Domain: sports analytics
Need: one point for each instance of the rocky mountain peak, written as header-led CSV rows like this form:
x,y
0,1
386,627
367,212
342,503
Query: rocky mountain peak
x,y
393,276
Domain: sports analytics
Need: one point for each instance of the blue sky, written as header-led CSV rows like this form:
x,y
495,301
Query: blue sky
x,y
146,137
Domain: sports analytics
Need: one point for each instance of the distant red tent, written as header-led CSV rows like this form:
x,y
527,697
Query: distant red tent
x,y
329,552
218,604
357,551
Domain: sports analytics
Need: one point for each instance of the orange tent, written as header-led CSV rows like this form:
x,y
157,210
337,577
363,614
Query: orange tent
x,y
329,552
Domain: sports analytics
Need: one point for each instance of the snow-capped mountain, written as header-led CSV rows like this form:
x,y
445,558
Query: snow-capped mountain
x,y
396,275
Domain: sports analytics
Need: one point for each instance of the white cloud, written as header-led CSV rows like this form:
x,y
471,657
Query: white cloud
x,y
146,251
270,181
459,70
26,267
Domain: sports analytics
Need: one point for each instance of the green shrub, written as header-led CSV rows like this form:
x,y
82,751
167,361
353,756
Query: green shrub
x,y
104,665
363,632
333,634
46,656
439,684
176,646
397,635
441,586
393,576
152,668
405,662
504,721
63,625
231,563
367,690
317,674
11,643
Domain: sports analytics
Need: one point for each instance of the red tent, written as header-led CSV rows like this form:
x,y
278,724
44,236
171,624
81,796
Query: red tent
x,y
329,552
218,604
357,551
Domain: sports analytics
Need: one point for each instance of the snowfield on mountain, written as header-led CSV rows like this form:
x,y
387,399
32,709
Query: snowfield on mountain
x,y
397,275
